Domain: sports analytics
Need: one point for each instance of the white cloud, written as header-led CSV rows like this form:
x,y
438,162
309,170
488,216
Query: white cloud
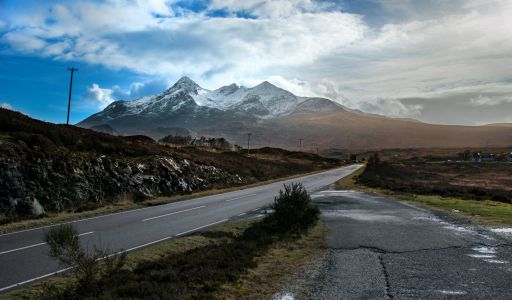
x,y
6,106
24,41
271,9
392,107
426,49
102,97
99,96
482,100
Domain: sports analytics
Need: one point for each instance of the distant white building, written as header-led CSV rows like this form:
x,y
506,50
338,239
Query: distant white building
x,y
484,157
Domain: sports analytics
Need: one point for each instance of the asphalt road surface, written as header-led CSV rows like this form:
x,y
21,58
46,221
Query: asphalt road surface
x,y
24,258
381,248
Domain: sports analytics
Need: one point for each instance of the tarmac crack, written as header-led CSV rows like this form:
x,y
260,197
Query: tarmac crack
x,y
387,285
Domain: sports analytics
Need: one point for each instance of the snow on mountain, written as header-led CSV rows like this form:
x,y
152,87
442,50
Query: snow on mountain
x,y
188,105
263,101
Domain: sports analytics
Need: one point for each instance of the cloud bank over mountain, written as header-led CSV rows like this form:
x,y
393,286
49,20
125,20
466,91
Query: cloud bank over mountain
x,y
369,54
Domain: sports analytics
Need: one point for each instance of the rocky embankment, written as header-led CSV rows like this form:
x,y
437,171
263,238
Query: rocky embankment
x,y
47,167
31,187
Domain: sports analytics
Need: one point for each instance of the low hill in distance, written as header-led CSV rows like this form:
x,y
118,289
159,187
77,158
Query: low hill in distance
x,y
46,167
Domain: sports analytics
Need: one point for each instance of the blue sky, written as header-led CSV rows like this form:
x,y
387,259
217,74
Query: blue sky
x,y
441,61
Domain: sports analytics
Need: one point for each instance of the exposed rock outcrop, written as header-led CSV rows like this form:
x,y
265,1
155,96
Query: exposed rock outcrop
x,y
29,187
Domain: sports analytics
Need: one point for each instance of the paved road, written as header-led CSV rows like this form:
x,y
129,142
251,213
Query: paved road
x,y
381,248
23,254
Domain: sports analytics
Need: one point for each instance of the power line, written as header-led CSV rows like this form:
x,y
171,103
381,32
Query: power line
x,y
70,88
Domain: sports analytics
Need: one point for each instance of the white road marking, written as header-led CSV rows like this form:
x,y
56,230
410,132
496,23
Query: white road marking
x,y
35,245
236,198
66,269
80,220
173,213
191,230
144,245
242,214
256,209
86,233
21,248
33,279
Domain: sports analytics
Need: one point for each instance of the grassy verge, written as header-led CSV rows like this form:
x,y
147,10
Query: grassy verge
x,y
56,218
480,211
275,268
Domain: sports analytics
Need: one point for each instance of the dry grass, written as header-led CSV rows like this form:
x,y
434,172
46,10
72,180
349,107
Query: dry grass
x,y
276,267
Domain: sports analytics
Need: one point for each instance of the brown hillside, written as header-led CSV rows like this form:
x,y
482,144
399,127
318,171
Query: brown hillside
x,y
345,129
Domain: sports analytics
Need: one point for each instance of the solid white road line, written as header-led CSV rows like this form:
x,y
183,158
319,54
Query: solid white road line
x,y
35,245
173,213
191,230
33,279
236,198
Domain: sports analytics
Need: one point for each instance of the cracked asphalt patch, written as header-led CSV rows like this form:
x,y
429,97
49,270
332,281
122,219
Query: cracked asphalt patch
x,y
385,249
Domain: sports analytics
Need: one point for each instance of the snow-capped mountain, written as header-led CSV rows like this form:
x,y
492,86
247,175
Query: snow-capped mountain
x,y
276,117
264,100
188,105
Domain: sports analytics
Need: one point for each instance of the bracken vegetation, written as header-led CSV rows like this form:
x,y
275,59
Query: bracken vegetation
x,y
467,180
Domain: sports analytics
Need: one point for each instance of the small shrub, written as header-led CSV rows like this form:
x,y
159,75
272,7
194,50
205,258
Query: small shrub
x,y
65,246
293,209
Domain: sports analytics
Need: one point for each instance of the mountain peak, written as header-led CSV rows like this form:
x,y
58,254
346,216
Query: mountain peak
x,y
185,83
266,84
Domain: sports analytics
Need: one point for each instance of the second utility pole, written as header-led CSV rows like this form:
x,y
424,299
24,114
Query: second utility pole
x,y
70,88
248,143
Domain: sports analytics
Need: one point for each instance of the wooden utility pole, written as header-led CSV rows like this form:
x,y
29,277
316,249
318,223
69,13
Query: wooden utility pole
x,y
248,143
300,145
70,88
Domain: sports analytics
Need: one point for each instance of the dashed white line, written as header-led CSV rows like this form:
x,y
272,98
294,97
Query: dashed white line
x,y
21,248
242,214
35,245
236,198
191,230
173,213
146,244
86,233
